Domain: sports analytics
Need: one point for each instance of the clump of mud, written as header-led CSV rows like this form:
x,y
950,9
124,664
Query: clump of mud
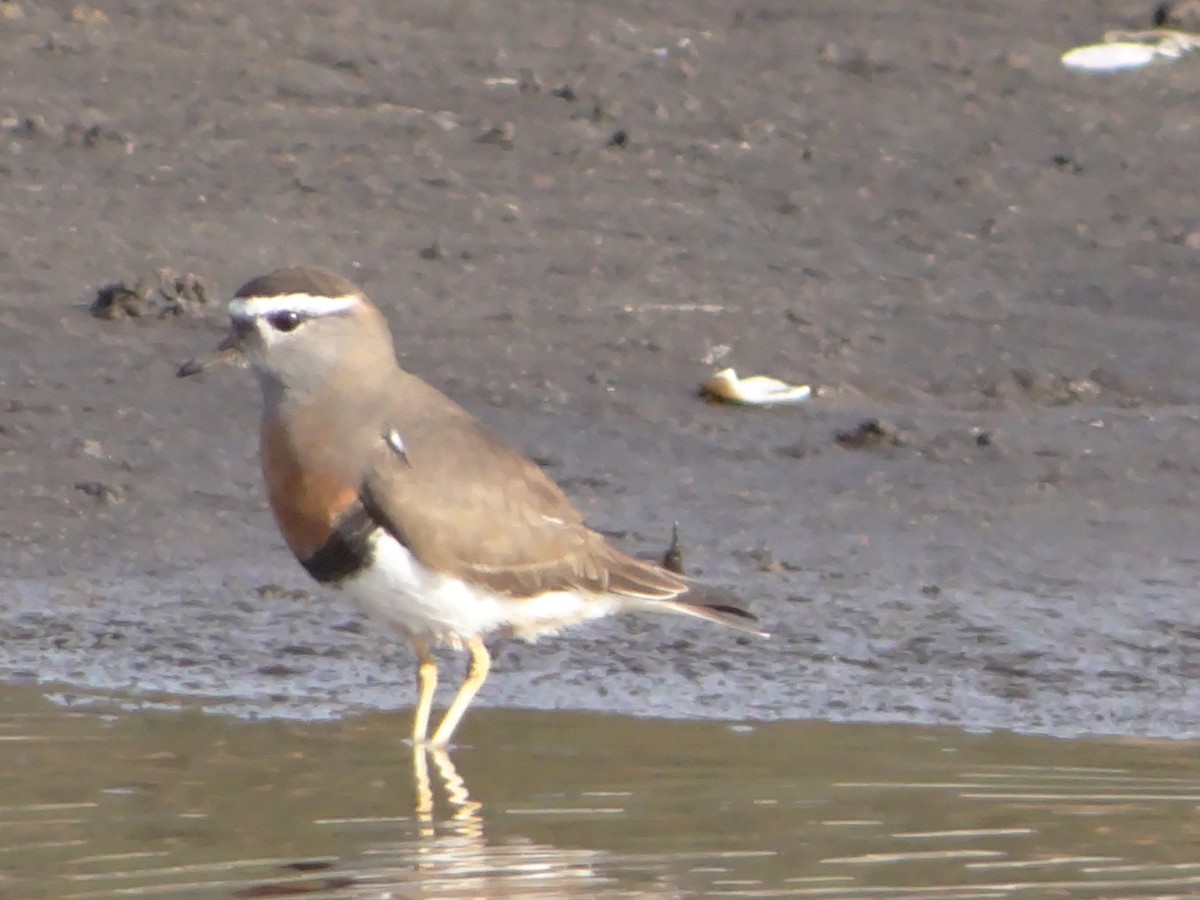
x,y
158,295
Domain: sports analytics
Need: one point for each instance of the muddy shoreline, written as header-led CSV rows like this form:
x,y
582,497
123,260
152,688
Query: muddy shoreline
x,y
919,211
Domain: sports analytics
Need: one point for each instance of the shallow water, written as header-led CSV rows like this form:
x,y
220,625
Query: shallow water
x,y
169,803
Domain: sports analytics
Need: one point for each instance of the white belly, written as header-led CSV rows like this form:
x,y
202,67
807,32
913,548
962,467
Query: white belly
x,y
398,591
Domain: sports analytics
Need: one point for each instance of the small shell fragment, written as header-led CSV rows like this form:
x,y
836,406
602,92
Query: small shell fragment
x,y
756,390
1110,57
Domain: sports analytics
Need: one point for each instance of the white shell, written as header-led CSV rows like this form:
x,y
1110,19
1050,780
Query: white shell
x,y
1110,57
756,390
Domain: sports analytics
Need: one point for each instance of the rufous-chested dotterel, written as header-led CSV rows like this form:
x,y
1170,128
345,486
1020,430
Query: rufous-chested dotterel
x,y
386,488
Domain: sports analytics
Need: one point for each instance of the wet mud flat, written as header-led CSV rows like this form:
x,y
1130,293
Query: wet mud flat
x,y
918,211
112,803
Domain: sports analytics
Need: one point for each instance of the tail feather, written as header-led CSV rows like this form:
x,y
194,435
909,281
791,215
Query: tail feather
x,y
721,613
642,580
650,587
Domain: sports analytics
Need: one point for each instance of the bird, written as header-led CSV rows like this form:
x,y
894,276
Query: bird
x,y
388,490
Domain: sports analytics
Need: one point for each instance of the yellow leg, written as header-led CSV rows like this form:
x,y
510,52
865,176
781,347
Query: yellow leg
x,y
477,673
427,677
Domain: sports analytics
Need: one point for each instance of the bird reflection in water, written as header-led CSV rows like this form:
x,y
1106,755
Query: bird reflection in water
x,y
446,856
467,818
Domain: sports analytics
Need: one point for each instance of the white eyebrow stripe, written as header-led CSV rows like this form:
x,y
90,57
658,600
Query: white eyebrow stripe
x,y
304,304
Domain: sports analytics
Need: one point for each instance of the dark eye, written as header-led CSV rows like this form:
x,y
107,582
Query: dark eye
x,y
287,320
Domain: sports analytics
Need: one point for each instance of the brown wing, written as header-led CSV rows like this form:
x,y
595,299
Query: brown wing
x,y
463,501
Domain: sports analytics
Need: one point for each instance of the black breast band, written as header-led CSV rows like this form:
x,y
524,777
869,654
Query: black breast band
x,y
348,549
